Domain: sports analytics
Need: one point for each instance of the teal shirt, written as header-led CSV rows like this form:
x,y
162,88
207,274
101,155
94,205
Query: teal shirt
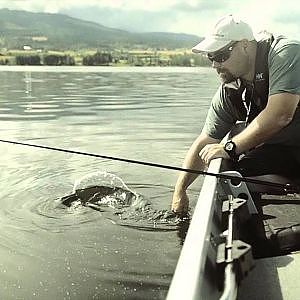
x,y
284,76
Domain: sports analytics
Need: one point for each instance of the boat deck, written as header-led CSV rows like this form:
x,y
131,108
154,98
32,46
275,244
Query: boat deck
x,y
272,229
277,226
275,277
272,278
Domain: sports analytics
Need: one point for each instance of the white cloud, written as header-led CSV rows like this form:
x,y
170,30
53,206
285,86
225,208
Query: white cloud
x,y
56,5
276,18
190,16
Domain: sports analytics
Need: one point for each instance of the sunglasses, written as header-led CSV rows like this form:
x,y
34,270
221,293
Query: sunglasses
x,y
222,55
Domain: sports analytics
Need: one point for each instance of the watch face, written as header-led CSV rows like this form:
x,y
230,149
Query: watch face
x,y
229,146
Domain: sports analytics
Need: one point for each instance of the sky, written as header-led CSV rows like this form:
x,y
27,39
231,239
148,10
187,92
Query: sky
x,y
180,16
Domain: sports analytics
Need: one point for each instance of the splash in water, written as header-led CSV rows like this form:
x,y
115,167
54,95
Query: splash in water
x,y
101,190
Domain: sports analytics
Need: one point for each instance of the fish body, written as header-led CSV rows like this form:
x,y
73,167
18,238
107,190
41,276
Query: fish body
x,y
97,195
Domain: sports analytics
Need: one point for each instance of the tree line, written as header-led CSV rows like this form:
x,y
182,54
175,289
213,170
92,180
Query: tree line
x,y
49,60
110,58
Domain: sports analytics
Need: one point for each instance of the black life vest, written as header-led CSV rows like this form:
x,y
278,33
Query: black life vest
x,y
257,93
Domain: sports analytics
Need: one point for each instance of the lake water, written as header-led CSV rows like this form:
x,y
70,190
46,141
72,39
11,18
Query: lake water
x,y
48,251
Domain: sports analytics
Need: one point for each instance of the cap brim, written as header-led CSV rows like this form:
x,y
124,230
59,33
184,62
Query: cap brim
x,y
210,44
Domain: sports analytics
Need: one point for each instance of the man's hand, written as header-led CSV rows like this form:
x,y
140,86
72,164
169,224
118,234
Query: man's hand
x,y
180,203
212,151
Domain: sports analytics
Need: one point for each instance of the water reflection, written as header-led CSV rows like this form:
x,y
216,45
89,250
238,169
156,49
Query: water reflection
x,y
28,81
50,252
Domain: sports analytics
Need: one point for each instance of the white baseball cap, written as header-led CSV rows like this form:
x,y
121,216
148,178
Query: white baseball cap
x,y
226,30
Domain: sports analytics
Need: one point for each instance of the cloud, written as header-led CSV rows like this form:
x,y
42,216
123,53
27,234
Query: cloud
x,y
196,7
170,15
126,5
189,16
134,20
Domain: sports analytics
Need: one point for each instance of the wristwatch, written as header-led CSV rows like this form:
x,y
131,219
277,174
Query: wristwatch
x,y
230,147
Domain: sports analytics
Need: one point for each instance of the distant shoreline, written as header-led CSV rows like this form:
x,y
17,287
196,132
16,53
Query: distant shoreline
x,y
90,69
118,58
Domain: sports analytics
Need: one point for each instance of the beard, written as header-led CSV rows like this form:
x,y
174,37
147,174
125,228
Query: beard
x,y
225,75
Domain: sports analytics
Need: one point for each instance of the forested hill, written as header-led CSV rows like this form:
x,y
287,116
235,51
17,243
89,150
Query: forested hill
x,y
57,31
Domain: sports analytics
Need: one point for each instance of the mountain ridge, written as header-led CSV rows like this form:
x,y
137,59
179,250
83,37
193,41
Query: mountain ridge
x,y
60,31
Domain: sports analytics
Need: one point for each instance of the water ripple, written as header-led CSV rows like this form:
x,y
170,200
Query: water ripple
x,y
52,251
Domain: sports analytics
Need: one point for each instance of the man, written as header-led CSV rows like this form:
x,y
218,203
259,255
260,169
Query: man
x,y
260,85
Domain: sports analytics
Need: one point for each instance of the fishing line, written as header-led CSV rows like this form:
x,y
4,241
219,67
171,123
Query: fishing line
x,y
286,187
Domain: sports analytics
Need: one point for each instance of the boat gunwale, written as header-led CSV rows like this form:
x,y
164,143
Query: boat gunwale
x,y
194,252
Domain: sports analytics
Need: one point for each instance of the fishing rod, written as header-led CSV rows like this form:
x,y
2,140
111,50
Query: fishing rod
x,y
286,187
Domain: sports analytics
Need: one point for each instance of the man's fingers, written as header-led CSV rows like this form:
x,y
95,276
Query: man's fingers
x,y
180,204
212,151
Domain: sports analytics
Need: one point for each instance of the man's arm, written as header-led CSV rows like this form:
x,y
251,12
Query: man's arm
x,y
277,114
192,160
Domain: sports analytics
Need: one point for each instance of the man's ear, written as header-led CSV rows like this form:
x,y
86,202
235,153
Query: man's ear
x,y
245,44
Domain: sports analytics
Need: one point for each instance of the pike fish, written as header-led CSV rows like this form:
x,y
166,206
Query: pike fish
x,y
100,195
